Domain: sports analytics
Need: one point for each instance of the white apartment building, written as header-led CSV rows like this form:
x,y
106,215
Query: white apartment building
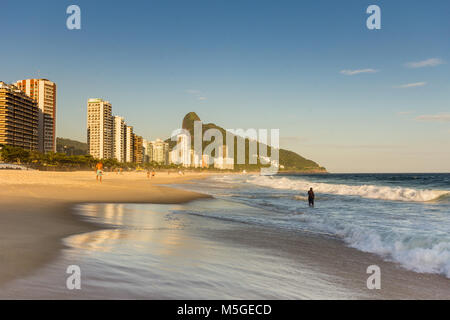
x,y
223,161
129,144
43,91
147,150
119,130
100,129
181,154
159,152
196,159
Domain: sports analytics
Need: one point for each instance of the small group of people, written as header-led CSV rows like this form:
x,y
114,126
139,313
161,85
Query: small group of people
x,y
99,172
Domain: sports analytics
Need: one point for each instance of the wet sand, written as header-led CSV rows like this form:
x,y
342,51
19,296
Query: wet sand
x,y
36,209
157,252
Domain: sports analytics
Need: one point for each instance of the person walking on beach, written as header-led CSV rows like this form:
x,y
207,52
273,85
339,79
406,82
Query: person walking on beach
x,y
99,168
311,197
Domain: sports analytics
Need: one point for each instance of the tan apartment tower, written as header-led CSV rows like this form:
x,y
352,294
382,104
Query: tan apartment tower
x,y
138,149
43,91
100,129
18,118
119,129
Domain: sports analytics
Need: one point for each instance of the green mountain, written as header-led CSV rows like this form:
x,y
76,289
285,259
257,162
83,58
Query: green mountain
x,y
290,160
71,147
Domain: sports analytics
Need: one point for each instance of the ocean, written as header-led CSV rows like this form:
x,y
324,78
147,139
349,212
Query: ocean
x,y
401,217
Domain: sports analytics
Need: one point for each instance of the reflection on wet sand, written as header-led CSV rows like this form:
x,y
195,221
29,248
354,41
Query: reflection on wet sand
x,y
173,252
134,229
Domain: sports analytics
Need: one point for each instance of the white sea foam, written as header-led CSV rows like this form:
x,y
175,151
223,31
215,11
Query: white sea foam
x,y
365,191
415,253
407,233
424,254
427,258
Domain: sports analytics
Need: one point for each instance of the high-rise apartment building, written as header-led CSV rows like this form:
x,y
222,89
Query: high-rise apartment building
x,y
19,115
147,150
181,154
159,151
43,91
100,129
222,160
138,149
119,130
129,144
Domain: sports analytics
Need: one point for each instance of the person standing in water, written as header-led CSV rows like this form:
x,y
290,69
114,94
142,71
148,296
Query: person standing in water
x,y
311,197
99,168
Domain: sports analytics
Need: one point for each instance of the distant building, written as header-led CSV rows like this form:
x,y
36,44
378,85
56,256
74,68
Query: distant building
x,y
43,91
196,159
147,151
19,115
119,139
159,152
182,153
205,161
222,160
100,129
138,149
129,144
172,155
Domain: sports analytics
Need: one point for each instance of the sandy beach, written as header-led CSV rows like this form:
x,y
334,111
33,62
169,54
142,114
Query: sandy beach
x,y
36,209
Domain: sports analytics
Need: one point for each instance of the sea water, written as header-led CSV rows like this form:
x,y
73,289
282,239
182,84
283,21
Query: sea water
x,y
403,218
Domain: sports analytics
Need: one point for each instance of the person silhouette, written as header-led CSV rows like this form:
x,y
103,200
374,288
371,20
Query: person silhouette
x,y
311,197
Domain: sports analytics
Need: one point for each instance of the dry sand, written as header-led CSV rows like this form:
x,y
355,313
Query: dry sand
x,y
35,211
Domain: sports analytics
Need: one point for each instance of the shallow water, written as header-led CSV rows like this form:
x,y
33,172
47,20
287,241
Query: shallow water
x,y
401,217
159,252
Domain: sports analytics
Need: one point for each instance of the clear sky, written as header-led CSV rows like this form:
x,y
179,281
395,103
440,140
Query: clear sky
x,y
350,98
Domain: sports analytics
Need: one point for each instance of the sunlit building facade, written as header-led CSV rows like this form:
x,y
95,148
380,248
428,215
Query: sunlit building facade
x,y
159,152
43,91
100,129
19,115
119,130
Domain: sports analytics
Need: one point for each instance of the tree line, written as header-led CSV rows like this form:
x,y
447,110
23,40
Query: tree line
x,y
62,161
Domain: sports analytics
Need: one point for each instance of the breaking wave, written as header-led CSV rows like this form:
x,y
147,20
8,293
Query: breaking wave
x,y
419,254
365,191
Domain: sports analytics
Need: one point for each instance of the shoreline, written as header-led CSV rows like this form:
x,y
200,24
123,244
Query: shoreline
x,y
37,210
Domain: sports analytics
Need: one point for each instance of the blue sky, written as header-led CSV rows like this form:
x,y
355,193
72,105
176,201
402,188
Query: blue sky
x,y
352,99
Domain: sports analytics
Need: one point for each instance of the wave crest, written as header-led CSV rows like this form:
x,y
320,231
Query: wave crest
x,y
365,191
